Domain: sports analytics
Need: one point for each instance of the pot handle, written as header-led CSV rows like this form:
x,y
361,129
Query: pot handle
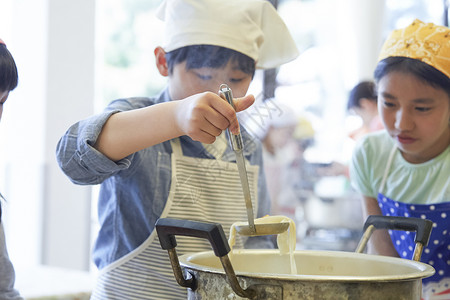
x,y
167,228
422,227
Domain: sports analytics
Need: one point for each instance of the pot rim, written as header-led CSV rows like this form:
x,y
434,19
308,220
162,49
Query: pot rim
x,y
423,270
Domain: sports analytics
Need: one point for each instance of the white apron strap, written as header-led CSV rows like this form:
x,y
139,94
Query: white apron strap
x,y
176,147
387,169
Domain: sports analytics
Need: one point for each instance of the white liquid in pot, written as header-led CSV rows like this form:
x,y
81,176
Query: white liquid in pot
x,y
286,241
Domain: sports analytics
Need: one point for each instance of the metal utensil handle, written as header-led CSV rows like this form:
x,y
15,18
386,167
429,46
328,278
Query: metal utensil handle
x,y
235,139
238,147
422,227
167,228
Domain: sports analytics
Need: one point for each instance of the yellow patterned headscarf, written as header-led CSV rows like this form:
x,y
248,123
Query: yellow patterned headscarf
x,y
426,42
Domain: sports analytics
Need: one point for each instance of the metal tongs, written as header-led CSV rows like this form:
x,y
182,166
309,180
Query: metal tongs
x,y
237,145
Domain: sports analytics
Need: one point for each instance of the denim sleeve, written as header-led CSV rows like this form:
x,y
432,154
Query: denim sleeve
x,y
77,157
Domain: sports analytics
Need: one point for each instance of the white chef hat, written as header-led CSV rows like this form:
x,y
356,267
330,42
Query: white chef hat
x,y
252,27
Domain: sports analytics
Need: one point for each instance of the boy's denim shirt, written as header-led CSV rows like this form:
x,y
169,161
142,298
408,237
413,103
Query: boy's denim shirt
x,y
135,189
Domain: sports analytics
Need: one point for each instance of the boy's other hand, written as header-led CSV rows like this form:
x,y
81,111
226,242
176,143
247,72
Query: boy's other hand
x,y
204,116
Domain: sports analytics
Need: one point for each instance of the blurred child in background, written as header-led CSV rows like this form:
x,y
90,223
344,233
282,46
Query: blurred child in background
x,y
363,102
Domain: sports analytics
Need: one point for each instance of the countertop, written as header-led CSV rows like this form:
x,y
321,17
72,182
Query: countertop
x,y
50,283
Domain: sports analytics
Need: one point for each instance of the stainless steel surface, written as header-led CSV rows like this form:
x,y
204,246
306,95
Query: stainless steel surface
x,y
187,283
365,239
232,279
263,229
246,189
418,252
421,226
321,275
237,145
327,275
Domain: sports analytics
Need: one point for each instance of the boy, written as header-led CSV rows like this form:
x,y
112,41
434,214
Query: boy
x,y
167,156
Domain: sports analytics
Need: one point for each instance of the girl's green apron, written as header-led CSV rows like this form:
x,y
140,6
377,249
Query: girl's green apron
x,y
437,253
201,189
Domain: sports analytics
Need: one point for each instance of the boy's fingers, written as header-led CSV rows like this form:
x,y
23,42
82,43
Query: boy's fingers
x,y
217,116
243,103
214,126
240,105
204,137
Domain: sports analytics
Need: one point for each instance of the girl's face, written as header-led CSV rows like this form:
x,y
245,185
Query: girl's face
x,y
415,114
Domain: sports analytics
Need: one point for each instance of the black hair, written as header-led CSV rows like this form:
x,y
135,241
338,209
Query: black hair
x,y
8,70
421,70
209,56
364,89
8,81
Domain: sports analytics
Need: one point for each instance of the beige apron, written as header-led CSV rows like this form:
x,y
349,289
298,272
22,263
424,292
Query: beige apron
x,y
201,189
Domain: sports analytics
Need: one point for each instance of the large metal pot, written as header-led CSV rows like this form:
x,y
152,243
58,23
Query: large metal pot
x,y
265,274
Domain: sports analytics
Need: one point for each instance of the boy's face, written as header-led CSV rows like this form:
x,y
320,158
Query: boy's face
x,y
415,114
184,83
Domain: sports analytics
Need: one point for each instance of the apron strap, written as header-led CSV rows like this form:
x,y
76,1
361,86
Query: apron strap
x,y
176,147
388,167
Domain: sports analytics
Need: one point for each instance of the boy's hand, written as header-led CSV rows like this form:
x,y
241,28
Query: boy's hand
x,y
204,116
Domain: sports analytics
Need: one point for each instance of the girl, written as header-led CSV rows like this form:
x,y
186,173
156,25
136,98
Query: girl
x,y
8,82
405,169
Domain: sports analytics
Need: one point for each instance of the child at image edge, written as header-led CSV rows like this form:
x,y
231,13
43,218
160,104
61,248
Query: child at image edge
x,y
405,169
166,156
8,82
